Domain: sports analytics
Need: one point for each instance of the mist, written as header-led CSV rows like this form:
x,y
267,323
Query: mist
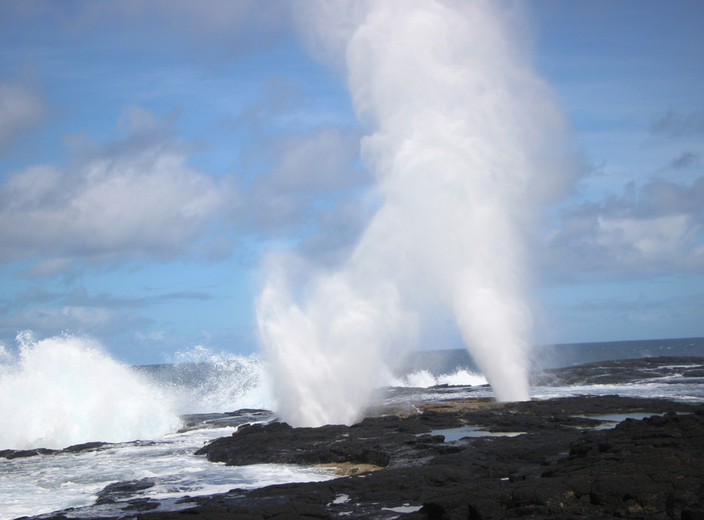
x,y
465,141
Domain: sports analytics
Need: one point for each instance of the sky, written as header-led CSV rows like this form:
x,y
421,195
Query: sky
x,y
153,153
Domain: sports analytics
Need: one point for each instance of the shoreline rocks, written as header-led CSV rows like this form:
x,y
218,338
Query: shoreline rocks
x,y
76,448
561,467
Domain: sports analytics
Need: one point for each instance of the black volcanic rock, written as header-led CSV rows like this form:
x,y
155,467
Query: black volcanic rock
x,y
621,370
373,441
561,467
121,490
652,468
16,454
86,446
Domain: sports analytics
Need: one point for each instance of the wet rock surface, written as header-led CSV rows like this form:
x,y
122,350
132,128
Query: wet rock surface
x,y
620,370
76,448
560,467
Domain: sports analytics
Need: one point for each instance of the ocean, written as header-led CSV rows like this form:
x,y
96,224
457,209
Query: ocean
x,y
143,424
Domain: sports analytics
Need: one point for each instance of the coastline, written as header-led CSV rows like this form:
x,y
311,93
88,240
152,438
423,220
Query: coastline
x,y
558,464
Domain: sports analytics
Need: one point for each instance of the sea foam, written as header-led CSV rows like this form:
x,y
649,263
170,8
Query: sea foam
x,y
204,381
425,379
66,390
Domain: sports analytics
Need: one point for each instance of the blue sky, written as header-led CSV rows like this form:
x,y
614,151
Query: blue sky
x,y
151,152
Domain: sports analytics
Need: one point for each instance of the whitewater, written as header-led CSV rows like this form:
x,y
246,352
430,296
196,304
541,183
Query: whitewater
x,y
67,391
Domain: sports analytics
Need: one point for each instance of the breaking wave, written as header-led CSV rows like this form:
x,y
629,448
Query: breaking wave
x,y
425,379
66,390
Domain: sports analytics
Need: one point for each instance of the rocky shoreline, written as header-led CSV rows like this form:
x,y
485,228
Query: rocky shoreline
x,y
405,464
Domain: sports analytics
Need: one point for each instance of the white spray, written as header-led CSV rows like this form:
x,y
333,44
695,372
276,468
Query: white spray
x,y
463,132
65,390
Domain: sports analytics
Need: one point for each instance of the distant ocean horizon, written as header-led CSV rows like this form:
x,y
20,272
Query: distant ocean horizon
x,y
444,361
237,382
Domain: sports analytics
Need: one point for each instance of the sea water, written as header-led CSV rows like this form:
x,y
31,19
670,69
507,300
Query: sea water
x,y
67,390
166,467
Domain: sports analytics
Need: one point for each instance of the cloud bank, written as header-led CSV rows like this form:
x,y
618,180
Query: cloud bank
x,y
132,199
21,110
653,229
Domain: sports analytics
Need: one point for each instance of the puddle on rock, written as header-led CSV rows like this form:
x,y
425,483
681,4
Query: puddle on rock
x,y
455,434
610,421
405,508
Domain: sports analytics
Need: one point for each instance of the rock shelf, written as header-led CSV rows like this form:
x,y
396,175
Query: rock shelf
x,y
561,467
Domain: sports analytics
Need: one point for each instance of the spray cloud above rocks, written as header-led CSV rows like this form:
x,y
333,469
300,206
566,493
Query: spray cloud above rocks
x,y
465,141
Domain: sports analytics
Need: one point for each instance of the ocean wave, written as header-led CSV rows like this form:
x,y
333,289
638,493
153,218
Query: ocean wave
x,y
204,381
425,379
66,390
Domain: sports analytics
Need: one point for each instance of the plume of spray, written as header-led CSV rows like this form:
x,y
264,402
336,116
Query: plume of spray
x,y
463,140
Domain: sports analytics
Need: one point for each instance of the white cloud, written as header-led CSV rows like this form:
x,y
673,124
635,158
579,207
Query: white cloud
x,y
224,28
655,229
318,162
675,124
96,321
234,27
649,239
685,160
132,199
152,337
307,167
326,27
20,111
338,230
